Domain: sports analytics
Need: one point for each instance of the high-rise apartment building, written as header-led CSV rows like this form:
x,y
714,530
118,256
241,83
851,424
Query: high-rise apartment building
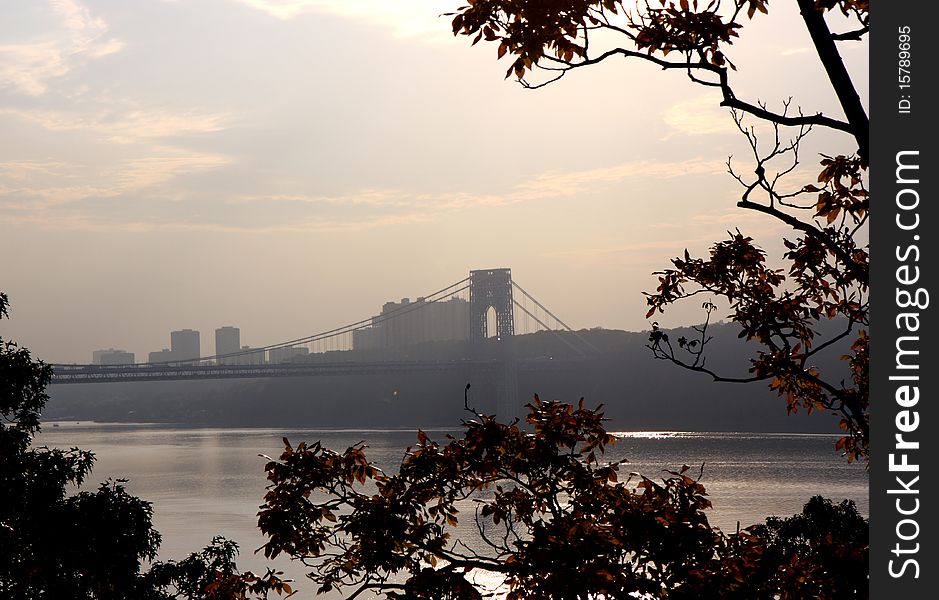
x,y
407,323
250,356
227,341
112,356
161,356
287,354
185,344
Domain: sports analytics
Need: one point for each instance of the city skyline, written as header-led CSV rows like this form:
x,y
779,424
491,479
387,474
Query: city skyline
x,y
443,317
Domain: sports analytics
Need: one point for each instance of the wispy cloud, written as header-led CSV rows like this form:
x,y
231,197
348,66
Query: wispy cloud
x,y
559,184
41,186
545,186
405,18
28,67
635,250
26,170
354,211
735,218
551,184
83,222
759,227
699,116
125,127
141,173
386,199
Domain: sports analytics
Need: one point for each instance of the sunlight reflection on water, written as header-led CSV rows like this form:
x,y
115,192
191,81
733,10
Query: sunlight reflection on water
x,y
204,482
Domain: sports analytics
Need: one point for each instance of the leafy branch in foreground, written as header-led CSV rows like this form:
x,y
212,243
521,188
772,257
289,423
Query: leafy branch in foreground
x,y
552,519
827,279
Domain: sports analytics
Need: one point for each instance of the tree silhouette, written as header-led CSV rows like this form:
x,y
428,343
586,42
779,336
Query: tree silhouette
x,y
823,274
52,546
89,545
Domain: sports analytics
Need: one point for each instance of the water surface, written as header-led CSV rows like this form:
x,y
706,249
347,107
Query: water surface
x,y
205,482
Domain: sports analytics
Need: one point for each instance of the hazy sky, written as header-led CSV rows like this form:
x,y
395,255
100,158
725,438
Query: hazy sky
x,y
286,166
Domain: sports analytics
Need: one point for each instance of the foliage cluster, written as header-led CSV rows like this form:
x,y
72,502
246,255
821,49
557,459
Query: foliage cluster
x,y
554,521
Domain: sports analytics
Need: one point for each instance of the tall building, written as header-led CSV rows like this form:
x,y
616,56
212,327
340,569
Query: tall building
x,y
227,341
161,356
185,344
250,356
287,354
407,323
112,356
96,355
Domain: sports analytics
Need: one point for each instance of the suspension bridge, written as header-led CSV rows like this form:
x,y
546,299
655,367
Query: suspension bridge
x,y
482,313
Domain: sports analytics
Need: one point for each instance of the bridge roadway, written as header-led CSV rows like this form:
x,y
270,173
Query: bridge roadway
x,y
163,372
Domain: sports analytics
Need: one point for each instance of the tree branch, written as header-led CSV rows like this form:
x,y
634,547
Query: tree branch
x,y
857,271
856,36
730,100
837,74
714,375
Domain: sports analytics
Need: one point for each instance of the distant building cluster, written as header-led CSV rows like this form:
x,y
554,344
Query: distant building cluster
x,y
286,354
399,325
229,350
186,348
112,356
407,323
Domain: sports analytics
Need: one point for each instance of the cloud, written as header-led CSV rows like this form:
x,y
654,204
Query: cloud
x,y
146,172
387,199
730,219
760,227
78,36
27,67
288,212
40,186
126,127
551,184
25,170
405,18
699,116
83,222
545,186
635,250
574,182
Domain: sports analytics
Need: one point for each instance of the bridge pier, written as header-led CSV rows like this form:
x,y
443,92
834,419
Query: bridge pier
x,y
495,388
507,405
491,290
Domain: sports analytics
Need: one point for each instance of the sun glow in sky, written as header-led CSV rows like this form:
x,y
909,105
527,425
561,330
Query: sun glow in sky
x,y
287,166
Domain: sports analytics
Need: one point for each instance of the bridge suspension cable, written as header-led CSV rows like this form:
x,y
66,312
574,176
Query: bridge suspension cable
x,y
585,348
439,295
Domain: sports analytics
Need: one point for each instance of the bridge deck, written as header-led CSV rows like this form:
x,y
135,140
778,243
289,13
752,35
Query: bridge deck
x,y
157,372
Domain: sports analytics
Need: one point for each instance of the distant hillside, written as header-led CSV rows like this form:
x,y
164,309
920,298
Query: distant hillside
x,y
638,392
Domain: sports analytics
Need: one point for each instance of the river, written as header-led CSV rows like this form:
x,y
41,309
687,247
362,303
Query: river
x,y
206,482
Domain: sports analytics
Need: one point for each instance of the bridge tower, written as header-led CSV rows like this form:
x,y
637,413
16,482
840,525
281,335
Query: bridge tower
x,y
491,289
